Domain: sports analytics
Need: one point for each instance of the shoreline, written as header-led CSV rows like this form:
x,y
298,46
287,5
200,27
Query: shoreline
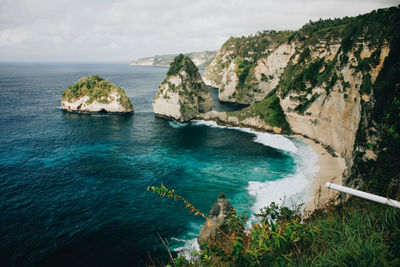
x,y
331,169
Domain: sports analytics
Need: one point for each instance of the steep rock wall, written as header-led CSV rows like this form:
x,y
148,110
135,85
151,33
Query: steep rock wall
x,y
80,105
183,94
95,94
323,74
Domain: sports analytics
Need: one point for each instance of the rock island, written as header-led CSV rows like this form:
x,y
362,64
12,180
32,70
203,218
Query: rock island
x,y
95,94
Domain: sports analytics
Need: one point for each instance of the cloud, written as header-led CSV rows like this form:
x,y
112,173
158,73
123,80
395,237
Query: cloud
x,y
120,30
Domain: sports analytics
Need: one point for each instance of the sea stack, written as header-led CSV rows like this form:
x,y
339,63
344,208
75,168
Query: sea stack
x,y
94,94
217,220
183,94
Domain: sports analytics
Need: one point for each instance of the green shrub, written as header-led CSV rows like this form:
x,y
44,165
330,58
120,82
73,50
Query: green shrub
x,y
182,62
268,109
354,233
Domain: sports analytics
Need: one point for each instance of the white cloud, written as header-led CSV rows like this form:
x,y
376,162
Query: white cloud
x,y
13,37
103,30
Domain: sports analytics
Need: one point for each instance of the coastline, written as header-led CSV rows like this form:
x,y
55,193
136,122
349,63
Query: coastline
x,y
330,170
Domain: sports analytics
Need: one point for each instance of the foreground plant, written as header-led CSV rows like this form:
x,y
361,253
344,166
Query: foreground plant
x,y
276,239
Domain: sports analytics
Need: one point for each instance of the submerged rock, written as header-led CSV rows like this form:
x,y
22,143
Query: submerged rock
x,y
183,94
95,94
218,218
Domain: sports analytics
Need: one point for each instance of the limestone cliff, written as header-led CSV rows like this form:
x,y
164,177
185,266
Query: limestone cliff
x,y
183,94
95,94
323,74
247,69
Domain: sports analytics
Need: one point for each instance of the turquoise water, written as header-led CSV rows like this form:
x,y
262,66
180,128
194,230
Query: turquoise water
x,y
73,186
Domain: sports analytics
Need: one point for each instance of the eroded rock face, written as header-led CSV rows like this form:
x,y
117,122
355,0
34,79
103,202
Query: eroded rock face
x,y
217,218
333,116
94,94
322,83
183,94
248,76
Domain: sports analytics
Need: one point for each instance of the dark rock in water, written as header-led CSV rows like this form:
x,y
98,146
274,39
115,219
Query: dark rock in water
x,y
218,217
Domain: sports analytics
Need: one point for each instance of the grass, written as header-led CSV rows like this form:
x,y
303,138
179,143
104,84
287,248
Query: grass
x,y
356,232
268,110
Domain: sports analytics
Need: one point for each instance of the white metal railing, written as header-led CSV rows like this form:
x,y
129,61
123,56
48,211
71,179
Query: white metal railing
x,y
362,194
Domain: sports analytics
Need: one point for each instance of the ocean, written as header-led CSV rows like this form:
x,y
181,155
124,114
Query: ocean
x,y
73,186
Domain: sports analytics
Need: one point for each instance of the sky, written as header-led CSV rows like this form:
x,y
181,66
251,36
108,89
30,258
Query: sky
x,y
123,30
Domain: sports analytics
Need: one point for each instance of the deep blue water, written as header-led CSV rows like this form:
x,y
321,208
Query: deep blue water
x,y
73,186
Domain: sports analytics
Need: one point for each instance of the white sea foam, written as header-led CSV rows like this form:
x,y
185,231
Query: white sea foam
x,y
293,189
275,141
278,191
189,246
272,140
176,124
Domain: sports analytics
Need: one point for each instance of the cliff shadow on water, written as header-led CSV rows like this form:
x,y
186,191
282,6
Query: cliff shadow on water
x,y
224,106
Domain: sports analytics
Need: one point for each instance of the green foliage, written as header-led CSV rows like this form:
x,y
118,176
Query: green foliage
x,y
302,107
275,240
295,77
268,109
354,233
254,46
243,68
246,79
165,192
182,62
364,65
244,52
264,77
375,26
305,55
380,176
97,89
331,82
366,84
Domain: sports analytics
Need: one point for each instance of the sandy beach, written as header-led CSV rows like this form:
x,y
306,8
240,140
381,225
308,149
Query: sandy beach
x,y
330,170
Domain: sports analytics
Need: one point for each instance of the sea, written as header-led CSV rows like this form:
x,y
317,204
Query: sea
x,y
73,186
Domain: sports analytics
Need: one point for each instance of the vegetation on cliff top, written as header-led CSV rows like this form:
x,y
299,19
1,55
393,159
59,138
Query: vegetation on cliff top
x,y
254,46
305,72
194,96
373,29
268,110
97,89
182,62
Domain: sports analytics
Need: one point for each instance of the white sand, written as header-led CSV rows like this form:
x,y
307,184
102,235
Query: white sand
x,y
331,170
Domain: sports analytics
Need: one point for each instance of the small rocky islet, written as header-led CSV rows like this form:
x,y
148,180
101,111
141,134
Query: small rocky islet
x,y
94,94
183,94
